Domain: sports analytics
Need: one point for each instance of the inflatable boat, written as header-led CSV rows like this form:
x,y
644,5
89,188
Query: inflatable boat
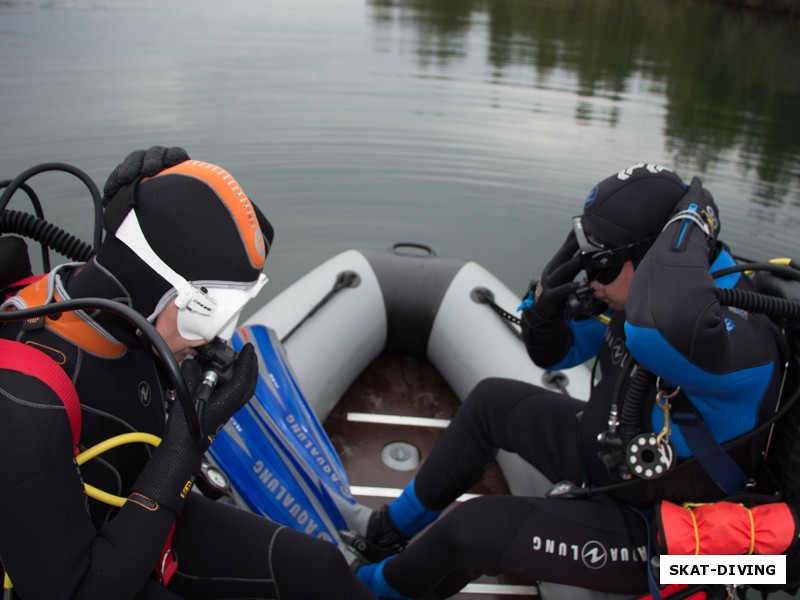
x,y
363,361
379,347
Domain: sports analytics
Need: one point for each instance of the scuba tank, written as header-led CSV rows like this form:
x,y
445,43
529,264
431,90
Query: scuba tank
x,y
777,479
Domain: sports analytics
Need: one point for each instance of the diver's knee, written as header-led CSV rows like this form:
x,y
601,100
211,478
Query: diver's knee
x,y
294,551
458,529
480,399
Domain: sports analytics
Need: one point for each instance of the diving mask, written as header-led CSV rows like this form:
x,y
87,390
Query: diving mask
x,y
600,263
205,309
226,305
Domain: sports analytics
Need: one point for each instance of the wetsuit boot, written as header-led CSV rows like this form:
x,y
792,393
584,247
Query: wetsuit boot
x,y
391,527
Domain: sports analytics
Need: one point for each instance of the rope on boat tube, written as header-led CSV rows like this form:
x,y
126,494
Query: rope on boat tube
x,y
482,295
344,279
551,379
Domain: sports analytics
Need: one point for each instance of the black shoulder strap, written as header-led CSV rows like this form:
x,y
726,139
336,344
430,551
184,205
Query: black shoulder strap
x,y
716,462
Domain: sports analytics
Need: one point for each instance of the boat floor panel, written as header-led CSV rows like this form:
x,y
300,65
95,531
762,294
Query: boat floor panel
x,y
404,386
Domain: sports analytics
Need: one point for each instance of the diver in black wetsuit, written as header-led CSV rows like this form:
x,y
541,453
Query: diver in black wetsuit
x,y
186,221
648,244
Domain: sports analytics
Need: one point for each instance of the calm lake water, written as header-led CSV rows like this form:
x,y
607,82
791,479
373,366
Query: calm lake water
x,y
474,126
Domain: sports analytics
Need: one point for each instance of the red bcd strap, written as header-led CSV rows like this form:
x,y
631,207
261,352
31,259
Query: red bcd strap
x,y
16,356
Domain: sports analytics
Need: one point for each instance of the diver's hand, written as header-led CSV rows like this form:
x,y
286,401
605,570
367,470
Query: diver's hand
x,y
549,298
142,163
169,475
227,399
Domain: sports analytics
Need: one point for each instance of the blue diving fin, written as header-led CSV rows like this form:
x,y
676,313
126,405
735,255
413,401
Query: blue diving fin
x,y
276,453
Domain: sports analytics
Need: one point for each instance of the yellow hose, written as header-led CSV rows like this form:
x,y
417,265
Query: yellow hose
x,y
93,492
104,446
104,497
117,440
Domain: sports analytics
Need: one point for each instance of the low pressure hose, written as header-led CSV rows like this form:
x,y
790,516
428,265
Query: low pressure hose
x,y
23,177
771,306
91,491
39,230
633,404
171,367
105,445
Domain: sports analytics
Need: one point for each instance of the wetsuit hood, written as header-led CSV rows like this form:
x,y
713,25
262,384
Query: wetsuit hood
x,y
198,221
632,205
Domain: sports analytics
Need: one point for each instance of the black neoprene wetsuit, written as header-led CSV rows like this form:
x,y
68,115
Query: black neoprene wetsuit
x,y
58,544
726,361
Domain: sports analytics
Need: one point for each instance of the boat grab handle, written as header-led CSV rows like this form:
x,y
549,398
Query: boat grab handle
x,y
400,245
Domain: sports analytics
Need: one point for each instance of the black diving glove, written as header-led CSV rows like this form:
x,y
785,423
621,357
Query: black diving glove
x,y
696,207
142,163
548,301
168,476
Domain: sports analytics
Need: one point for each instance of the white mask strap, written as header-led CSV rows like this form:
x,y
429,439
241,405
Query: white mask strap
x,y
189,297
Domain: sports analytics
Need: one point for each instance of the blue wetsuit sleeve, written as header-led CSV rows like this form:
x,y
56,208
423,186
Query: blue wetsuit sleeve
x,y
723,360
49,545
562,343
587,336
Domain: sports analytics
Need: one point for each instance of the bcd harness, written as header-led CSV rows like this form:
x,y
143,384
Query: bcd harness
x,y
778,297
78,329
650,455
763,519
23,358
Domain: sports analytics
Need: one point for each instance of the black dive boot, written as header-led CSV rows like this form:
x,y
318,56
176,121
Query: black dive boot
x,y
382,532
383,538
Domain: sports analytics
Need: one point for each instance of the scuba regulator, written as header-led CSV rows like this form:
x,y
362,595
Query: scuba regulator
x,y
217,360
583,305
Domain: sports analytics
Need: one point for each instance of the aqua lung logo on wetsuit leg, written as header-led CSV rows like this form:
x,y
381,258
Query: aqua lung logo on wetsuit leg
x,y
593,554
145,395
